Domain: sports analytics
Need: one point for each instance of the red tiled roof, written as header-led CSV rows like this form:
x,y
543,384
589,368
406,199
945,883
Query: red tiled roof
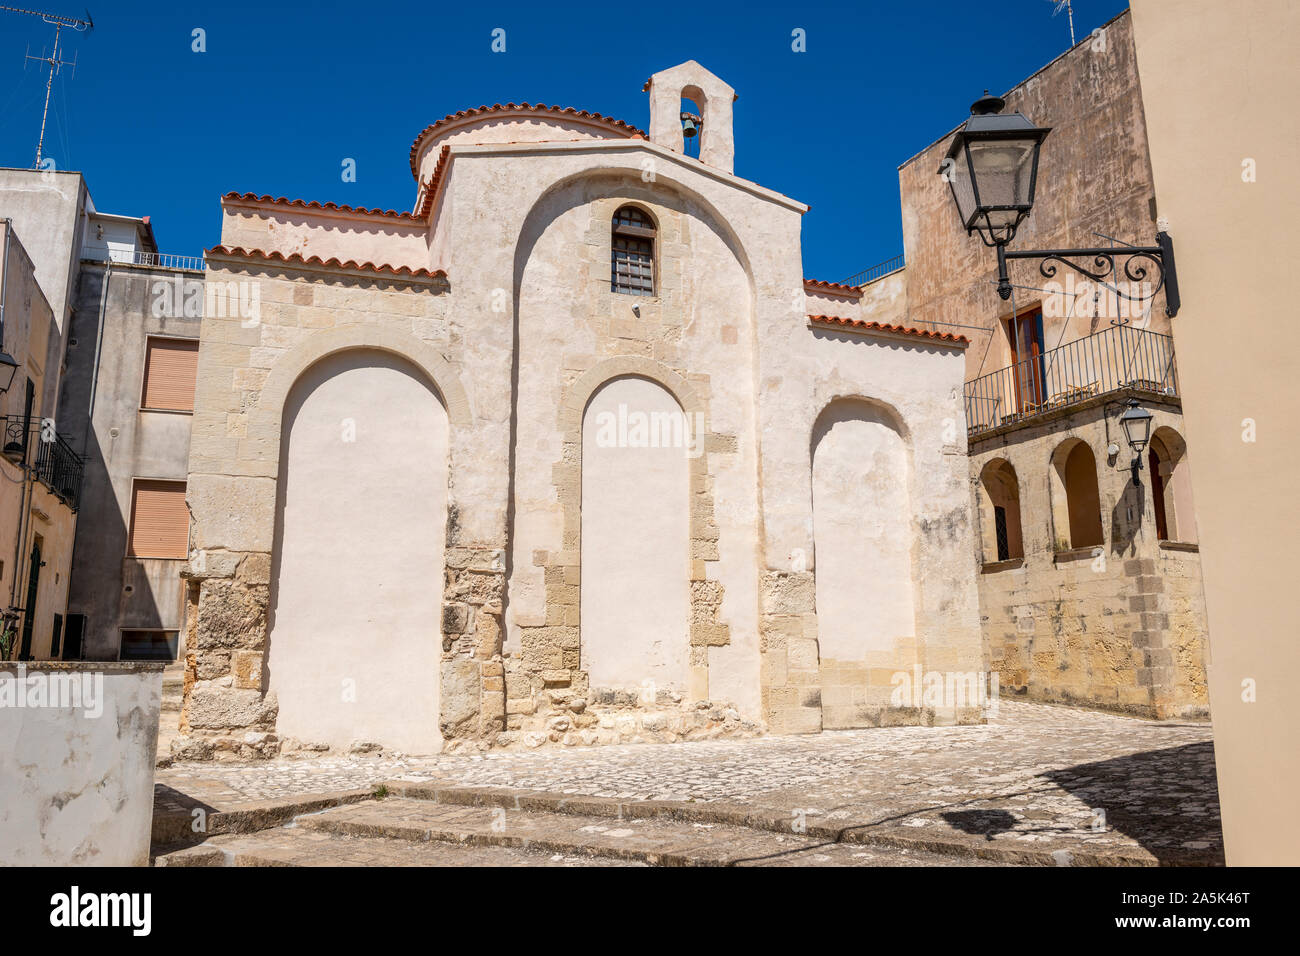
x,y
294,259
323,206
431,187
616,125
834,287
883,327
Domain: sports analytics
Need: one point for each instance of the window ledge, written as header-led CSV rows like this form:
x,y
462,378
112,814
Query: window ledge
x,y
1179,546
993,567
168,411
1076,554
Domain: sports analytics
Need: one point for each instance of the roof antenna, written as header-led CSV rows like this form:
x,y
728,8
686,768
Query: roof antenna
x,y
1068,7
52,61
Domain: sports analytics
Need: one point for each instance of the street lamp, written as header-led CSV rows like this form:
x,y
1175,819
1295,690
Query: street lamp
x,y
8,366
1137,429
992,170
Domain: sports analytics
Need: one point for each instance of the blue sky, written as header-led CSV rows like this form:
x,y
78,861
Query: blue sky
x,y
284,93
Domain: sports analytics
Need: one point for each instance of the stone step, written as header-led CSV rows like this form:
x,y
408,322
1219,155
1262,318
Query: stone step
x,y
649,840
297,846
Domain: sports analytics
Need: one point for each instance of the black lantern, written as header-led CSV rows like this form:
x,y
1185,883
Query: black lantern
x,y
992,167
8,366
1137,428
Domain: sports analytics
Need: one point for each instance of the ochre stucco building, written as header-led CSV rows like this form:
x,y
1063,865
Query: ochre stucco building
x,y
571,453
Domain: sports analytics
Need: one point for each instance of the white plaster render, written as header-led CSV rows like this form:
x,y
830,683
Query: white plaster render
x,y
635,541
354,633
863,531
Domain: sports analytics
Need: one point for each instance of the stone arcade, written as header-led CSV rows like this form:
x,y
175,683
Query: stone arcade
x,y
411,529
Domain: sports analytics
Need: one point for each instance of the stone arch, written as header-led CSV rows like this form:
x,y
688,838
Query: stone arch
x,y
1171,487
864,543
358,554
264,420
1001,532
1076,499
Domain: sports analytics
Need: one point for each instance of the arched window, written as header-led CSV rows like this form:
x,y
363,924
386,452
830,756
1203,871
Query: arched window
x,y
1000,512
1076,502
632,252
1171,487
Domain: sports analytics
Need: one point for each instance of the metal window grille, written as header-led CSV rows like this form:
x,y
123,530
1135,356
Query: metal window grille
x,y
632,253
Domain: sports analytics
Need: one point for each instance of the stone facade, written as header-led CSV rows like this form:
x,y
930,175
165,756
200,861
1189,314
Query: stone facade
x,y
1118,625
496,293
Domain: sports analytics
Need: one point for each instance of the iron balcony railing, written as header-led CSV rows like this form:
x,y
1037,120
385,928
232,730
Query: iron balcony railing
x,y
162,260
1119,357
51,459
877,271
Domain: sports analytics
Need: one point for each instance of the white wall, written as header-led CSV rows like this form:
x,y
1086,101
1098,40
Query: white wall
x,y
635,544
361,530
76,783
863,533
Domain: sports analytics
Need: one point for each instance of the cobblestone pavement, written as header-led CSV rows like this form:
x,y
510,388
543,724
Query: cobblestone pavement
x,y
1037,777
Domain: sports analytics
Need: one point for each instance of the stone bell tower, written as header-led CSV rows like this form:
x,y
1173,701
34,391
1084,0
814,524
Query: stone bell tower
x,y
714,97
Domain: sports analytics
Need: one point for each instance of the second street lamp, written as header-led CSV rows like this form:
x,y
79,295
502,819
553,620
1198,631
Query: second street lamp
x,y
992,170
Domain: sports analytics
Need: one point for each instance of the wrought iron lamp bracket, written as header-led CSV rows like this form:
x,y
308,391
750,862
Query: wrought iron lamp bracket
x,y
1135,263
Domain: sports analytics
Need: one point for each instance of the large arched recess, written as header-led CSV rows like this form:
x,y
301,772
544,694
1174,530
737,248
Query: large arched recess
x,y
357,570
863,531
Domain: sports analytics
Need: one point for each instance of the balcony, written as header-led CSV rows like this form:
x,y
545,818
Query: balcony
x,y
136,257
50,458
878,271
1118,358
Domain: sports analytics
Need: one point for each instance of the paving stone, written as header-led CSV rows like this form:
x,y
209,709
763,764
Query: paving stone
x,y
1039,783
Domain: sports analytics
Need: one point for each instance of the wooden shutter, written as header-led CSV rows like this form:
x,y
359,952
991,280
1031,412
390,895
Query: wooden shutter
x,y
160,523
169,369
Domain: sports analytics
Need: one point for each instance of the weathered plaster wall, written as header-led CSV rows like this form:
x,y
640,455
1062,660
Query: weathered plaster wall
x,y
76,783
1094,176
118,307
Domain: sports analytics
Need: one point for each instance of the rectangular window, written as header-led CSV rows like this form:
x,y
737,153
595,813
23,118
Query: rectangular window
x,y
169,369
148,646
1000,520
72,633
57,638
160,522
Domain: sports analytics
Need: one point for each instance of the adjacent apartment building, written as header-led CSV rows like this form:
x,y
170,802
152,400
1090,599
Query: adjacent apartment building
x,y
1089,572
105,382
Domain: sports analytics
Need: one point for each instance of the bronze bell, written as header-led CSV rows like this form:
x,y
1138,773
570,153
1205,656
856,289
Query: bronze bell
x,y
690,125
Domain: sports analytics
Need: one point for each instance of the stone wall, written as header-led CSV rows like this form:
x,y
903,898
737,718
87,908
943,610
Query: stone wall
x,y
1119,626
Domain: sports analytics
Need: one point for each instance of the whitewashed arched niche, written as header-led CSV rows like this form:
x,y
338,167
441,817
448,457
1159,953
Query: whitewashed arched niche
x,y
355,630
635,545
863,532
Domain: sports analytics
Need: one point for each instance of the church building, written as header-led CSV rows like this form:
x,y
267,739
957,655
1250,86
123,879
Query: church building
x,y
570,454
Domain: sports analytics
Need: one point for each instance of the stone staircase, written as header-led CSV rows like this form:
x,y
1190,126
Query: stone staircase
x,y
417,825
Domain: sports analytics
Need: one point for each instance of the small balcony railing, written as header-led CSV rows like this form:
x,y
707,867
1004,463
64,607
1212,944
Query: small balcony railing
x,y
877,271
48,455
161,260
1120,357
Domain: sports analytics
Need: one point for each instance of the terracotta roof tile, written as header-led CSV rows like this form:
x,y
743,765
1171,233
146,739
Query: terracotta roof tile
x,y
431,187
893,329
616,125
323,206
834,287
294,259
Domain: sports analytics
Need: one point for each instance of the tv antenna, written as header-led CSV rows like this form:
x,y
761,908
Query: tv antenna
x,y
1065,5
52,61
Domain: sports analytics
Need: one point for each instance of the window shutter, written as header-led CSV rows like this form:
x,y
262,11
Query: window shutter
x,y
160,523
169,374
